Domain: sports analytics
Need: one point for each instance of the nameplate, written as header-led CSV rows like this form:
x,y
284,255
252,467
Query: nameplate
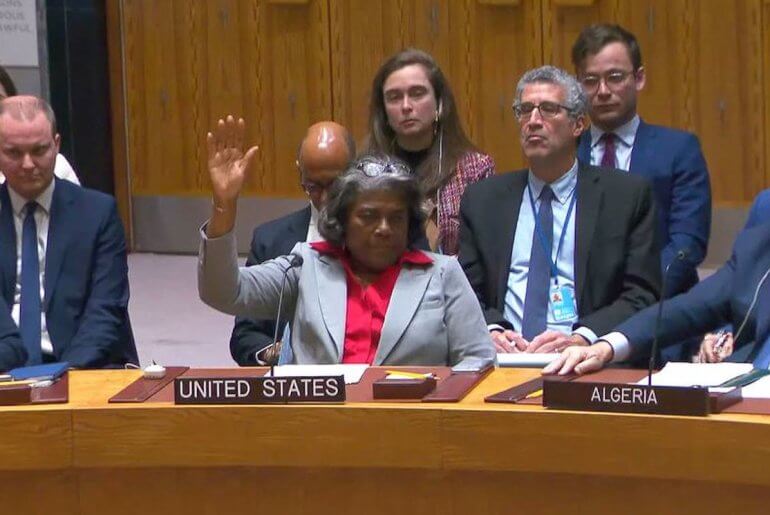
x,y
15,394
626,398
258,390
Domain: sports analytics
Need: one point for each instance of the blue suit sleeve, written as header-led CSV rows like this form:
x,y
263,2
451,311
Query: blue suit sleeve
x,y
689,222
101,329
704,308
760,210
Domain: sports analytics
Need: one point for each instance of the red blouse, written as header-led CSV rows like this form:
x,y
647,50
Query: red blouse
x,y
367,305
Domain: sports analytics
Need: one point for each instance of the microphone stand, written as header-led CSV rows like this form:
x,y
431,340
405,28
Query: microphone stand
x,y
295,262
680,255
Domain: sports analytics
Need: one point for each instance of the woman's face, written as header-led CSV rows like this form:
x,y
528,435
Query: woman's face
x,y
410,104
3,93
377,230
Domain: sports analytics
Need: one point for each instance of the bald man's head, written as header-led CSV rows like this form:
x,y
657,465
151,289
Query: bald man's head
x,y
325,152
26,108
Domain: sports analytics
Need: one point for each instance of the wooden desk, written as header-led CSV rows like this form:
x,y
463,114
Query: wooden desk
x,y
91,457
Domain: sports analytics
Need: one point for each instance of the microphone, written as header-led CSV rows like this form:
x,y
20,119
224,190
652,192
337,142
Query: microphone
x,y
680,255
295,262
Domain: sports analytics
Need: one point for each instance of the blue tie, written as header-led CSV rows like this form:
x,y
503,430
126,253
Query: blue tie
x,y
536,301
763,358
29,312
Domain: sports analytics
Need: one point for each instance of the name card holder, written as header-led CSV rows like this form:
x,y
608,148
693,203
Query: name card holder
x,y
259,390
12,395
632,398
403,388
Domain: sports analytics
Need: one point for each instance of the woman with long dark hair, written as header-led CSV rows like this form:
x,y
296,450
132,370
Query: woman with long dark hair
x,y
413,116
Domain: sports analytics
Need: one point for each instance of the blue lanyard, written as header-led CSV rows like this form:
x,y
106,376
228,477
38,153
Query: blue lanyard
x,y
541,236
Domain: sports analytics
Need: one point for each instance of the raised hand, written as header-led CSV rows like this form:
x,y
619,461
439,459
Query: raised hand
x,y
227,168
226,160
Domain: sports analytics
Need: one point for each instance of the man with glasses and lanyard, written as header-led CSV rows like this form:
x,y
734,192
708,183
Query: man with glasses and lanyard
x,y
558,253
325,152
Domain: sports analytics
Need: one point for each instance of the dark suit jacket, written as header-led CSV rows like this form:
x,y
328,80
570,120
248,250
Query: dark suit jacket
x,y
617,270
762,316
673,162
12,351
86,277
270,240
722,298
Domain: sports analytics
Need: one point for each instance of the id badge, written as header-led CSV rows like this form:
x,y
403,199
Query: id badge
x,y
562,303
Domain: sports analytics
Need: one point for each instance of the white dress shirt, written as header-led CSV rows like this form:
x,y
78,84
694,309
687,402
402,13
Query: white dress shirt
x,y
312,228
42,220
563,189
625,136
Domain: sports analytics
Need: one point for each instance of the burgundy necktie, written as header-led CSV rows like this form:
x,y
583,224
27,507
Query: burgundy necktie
x,y
608,159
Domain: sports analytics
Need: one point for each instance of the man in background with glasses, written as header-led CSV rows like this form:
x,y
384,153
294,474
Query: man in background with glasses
x,y
325,152
561,252
608,63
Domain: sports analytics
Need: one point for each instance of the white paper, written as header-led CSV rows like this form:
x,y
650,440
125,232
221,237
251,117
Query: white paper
x,y
18,33
759,389
352,373
697,374
525,359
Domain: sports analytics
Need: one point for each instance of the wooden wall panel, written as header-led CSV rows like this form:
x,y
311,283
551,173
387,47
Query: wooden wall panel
x,y
363,34
664,30
114,24
766,81
499,42
483,46
728,103
284,64
267,61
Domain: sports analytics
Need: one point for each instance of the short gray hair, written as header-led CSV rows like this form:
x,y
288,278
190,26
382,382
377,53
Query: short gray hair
x,y
575,99
371,173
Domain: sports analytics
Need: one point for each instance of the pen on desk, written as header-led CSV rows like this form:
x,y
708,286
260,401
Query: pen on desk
x,y
536,393
721,340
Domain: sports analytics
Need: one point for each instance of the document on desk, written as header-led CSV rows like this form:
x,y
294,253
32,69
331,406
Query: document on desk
x,y
697,374
759,389
525,359
352,373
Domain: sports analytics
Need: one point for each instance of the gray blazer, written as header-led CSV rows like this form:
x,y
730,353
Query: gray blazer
x,y
433,317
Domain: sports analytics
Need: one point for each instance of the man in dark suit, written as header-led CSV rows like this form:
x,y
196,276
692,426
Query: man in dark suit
x,y
325,152
758,214
725,297
63,269
608,63
579,260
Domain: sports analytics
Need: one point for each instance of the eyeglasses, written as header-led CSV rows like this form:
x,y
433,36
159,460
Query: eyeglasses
x,y
613,79
372,167
313,189
547,109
